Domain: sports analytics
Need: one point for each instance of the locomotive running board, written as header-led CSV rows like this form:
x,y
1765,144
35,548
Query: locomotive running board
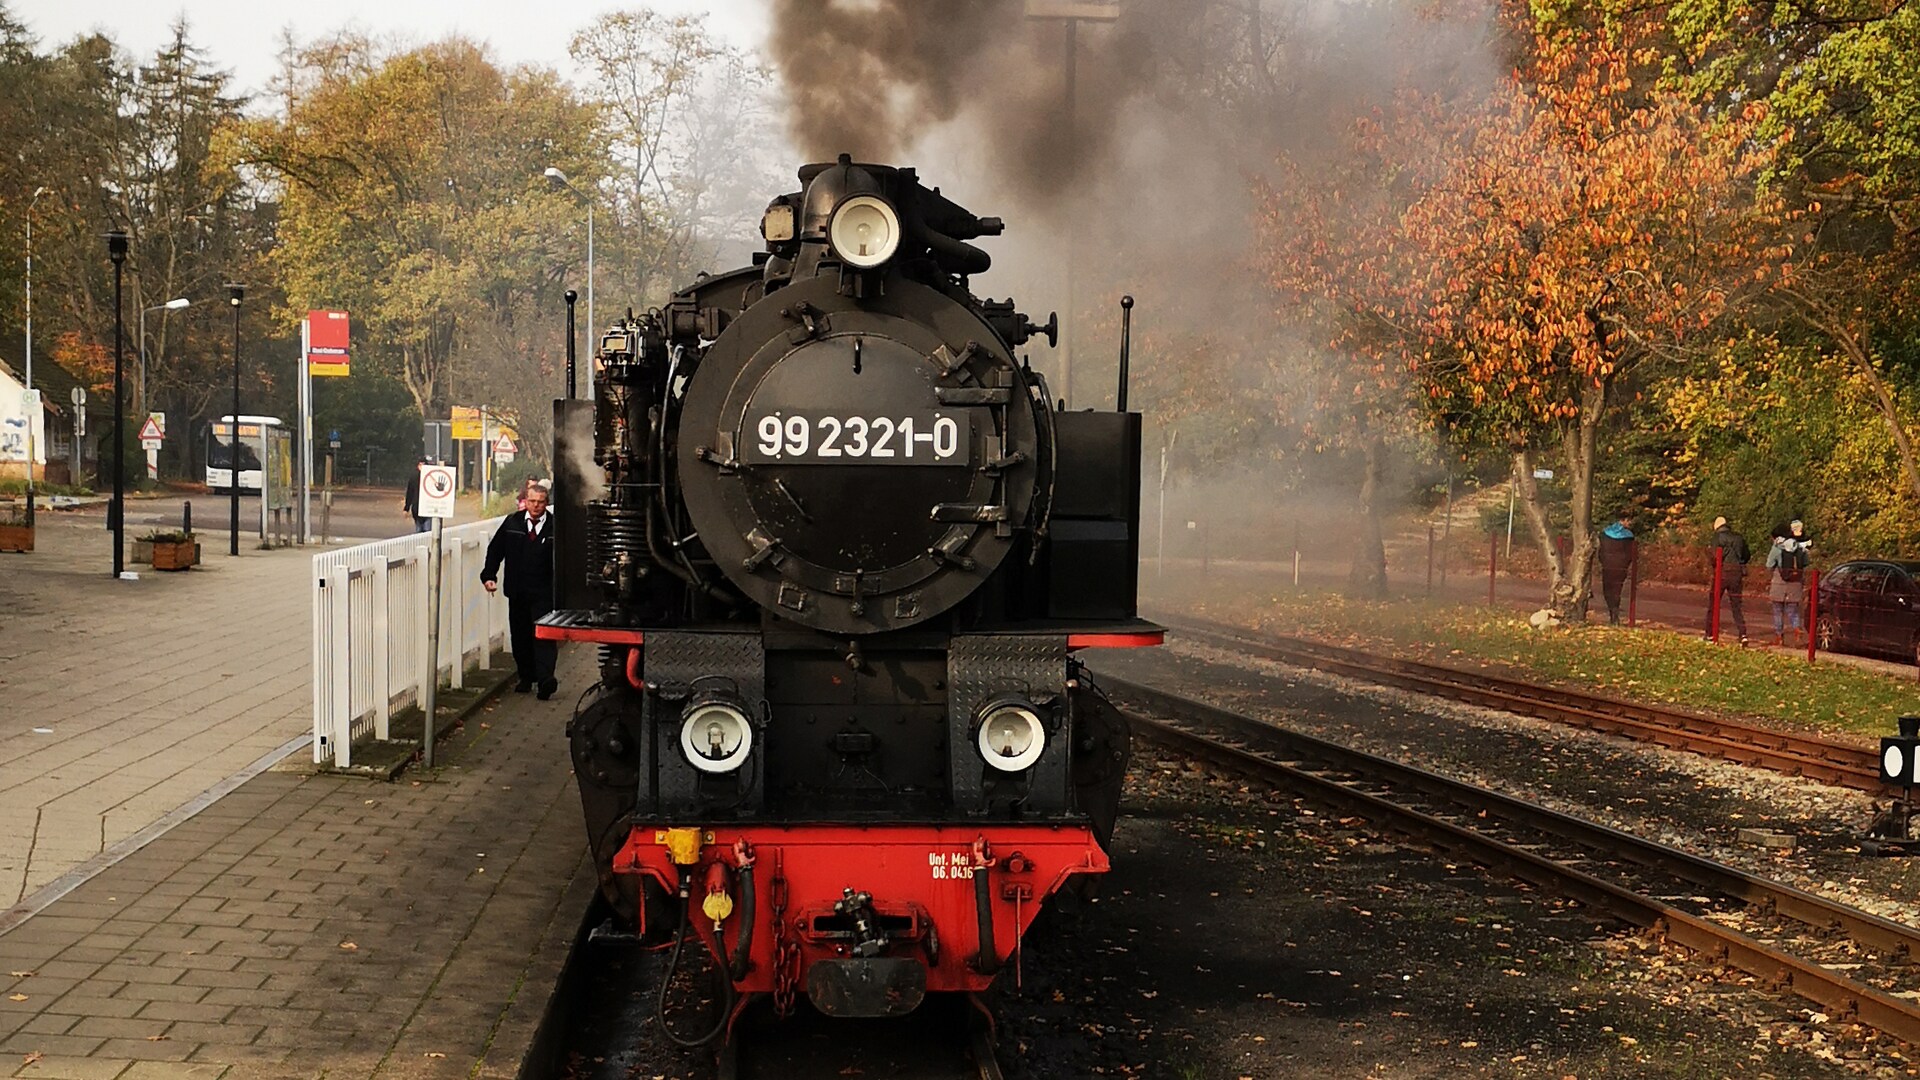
x,y
579,626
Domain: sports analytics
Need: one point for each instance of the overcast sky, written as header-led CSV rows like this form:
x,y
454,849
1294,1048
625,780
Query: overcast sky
x,y
240,35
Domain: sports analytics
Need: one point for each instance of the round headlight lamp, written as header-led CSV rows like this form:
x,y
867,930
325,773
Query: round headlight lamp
x,y
1011,737
716,737
864,231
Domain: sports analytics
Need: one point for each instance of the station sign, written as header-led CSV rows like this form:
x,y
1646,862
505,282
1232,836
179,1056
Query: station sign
x,y
466,422
325,336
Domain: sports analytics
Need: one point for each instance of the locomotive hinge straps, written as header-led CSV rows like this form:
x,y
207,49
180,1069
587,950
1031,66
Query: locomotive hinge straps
x,y
950,361
725,464
972,395
1000,465
764,548
969,513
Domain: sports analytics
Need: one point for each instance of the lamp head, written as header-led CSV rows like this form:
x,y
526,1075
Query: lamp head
x,y
117,246
177,303
236,293
555,176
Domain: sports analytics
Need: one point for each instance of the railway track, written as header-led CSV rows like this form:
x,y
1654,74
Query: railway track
x,y
1645,884
1815,757
601,1025
946,1044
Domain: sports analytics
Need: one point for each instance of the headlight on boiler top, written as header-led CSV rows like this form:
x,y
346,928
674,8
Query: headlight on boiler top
x,y
864,231
716,737
1011,737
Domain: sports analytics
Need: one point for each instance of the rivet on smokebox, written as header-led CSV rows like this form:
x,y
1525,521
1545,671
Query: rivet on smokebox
x,y
1766,838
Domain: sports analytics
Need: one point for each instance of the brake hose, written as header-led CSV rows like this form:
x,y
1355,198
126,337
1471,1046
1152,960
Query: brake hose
x,y
666,981
744,946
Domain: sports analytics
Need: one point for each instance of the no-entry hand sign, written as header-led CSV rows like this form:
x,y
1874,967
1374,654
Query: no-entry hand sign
x,y
436,491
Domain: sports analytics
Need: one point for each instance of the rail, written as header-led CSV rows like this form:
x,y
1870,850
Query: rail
x,y
370,631
1815,757
1377,789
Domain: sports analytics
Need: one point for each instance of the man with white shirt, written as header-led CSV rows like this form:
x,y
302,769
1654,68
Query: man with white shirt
x,y
524,543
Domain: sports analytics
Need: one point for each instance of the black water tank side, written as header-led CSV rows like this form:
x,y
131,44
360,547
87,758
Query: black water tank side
x,y
1093,550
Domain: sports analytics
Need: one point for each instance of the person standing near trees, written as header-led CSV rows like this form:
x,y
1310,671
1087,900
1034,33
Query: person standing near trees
x,y
1617,551
1734,556
1788,562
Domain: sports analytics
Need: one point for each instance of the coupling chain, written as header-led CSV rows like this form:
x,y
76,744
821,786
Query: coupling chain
x,y
786,951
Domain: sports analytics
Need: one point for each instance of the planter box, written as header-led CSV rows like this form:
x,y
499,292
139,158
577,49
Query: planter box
x,y
175,555
16,538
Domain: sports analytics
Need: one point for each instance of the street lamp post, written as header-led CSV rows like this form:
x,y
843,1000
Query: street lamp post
x,y
235,293
172,305
117,252
33,413
153,461
593,329
1160,544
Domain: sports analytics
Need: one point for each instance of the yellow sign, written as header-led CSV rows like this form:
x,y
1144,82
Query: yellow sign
x,y
328,369
466,422
473,422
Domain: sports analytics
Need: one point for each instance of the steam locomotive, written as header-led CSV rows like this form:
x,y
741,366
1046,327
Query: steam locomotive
x,y
837,548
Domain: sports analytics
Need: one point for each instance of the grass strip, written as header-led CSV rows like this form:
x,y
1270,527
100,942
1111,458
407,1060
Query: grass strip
x,y
1644,664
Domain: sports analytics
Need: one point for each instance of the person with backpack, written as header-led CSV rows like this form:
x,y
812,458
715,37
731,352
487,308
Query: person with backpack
x,y
1617,552
1734,556
1788,561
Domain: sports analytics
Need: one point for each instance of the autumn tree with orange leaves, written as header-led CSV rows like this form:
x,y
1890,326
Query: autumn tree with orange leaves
x,y
1519,254
1329,240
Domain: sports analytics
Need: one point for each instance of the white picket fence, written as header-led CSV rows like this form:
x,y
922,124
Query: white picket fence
x,y
370,630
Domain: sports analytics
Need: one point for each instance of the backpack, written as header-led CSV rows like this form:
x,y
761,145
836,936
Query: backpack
x,y
1792,565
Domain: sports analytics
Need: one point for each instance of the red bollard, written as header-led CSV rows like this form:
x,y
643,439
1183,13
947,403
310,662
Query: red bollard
x,y
1493,555
1633,588
1813,611
1713,600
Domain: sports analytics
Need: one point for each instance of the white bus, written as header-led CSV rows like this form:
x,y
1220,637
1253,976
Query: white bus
x,y
256,432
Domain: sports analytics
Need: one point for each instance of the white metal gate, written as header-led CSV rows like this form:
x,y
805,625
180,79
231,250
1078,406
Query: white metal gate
x,y
370,630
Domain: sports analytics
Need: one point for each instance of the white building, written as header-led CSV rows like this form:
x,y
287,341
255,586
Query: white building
x,y
14,423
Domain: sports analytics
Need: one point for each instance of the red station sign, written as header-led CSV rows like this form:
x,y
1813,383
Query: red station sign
x,y
326,343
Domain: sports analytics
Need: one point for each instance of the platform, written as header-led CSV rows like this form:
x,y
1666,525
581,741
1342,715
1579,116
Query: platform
x,y
300,924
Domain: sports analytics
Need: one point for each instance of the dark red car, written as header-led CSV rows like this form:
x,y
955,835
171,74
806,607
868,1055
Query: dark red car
x,y
1871,606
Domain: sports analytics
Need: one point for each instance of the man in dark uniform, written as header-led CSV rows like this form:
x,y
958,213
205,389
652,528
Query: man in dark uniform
x,y
524,543
1733,568
410,503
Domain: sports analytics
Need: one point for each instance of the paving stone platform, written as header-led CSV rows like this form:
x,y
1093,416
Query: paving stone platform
x,y
302,925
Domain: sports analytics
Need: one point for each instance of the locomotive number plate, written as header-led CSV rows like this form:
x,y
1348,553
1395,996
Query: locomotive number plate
x,y
805,438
